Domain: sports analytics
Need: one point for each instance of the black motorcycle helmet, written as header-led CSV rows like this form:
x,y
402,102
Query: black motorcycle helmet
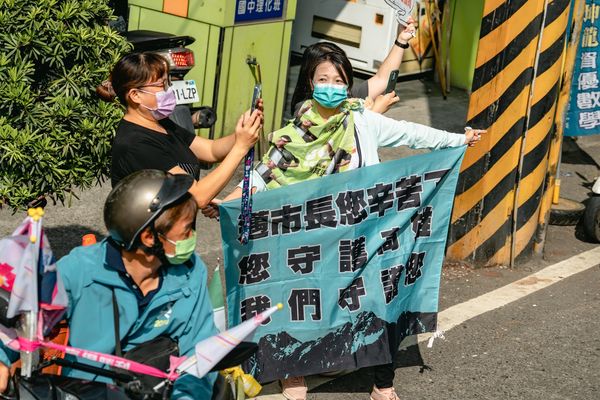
x,y
137,201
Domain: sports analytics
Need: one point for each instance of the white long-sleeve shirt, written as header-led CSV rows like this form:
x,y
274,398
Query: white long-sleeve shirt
x,y
374,130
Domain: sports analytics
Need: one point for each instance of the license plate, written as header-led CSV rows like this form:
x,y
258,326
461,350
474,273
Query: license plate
x,y
185,91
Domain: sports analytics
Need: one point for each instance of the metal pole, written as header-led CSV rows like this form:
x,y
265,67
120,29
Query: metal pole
x,y
28,330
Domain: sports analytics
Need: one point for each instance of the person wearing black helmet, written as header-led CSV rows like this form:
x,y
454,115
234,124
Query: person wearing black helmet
x,y
148,271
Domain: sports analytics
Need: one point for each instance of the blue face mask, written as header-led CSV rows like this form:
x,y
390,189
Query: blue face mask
x,y
330,96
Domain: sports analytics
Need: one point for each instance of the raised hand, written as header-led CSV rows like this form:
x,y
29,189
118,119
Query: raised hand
x,y
248,129
409,31
472,136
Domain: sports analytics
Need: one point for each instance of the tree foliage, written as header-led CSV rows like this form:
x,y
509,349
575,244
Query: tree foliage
x,y
55,134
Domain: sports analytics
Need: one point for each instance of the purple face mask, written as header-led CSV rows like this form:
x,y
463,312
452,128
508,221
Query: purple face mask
x,y
165,103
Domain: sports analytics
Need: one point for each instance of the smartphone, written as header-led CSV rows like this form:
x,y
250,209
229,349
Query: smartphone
x,y
391,85
256,94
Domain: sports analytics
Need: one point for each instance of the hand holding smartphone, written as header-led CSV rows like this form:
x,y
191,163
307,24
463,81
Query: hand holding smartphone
x,y
391,85
256,95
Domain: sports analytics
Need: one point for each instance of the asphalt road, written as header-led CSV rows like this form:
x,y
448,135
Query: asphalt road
x,y
544,346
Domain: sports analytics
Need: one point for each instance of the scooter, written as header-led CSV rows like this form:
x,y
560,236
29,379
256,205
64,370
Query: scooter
x,y
591,216
136,375
181,61
40,386
37,385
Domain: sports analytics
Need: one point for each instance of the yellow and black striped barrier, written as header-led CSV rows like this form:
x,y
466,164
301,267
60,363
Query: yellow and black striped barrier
x,y
551,192
515,89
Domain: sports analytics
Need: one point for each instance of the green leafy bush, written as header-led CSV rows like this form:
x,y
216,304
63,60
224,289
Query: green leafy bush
x,y
55,134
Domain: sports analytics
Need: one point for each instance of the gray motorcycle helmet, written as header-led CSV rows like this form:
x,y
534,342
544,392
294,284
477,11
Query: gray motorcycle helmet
x,y
138,199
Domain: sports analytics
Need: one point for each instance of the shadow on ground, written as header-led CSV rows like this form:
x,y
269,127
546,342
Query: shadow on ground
x,y
361,381
573,153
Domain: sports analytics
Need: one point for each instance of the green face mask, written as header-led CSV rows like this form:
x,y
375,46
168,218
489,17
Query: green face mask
x,y
183,249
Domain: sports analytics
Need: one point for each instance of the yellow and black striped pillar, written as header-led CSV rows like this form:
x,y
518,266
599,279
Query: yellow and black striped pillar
x,y
551,186
514,93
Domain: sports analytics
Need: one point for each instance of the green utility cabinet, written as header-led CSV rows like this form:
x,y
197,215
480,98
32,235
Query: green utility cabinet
x,y
227,32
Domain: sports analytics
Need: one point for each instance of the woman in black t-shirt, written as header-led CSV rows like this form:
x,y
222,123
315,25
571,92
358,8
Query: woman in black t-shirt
x,y
147,139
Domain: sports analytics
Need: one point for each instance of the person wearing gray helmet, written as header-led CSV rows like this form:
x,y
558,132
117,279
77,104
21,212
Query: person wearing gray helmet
x,y
148,271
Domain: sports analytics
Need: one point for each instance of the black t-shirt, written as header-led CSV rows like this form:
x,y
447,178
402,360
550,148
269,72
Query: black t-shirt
x,y
136,148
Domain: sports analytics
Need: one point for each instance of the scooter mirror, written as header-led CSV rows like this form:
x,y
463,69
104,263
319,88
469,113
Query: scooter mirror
x,y
204,117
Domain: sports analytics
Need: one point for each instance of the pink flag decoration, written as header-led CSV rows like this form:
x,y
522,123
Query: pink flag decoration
x,y
213,349
27,269
7,277
19,253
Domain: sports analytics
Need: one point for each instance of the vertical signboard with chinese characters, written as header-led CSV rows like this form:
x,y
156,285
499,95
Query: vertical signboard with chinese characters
x,y
583,117
256,10
355,258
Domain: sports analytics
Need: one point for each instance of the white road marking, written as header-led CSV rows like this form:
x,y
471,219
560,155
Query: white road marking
x,y
460,313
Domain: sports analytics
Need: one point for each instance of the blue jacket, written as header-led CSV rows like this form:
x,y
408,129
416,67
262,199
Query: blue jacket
x,y
180,309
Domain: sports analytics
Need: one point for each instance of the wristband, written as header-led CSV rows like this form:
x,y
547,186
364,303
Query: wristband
x,y
402,46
